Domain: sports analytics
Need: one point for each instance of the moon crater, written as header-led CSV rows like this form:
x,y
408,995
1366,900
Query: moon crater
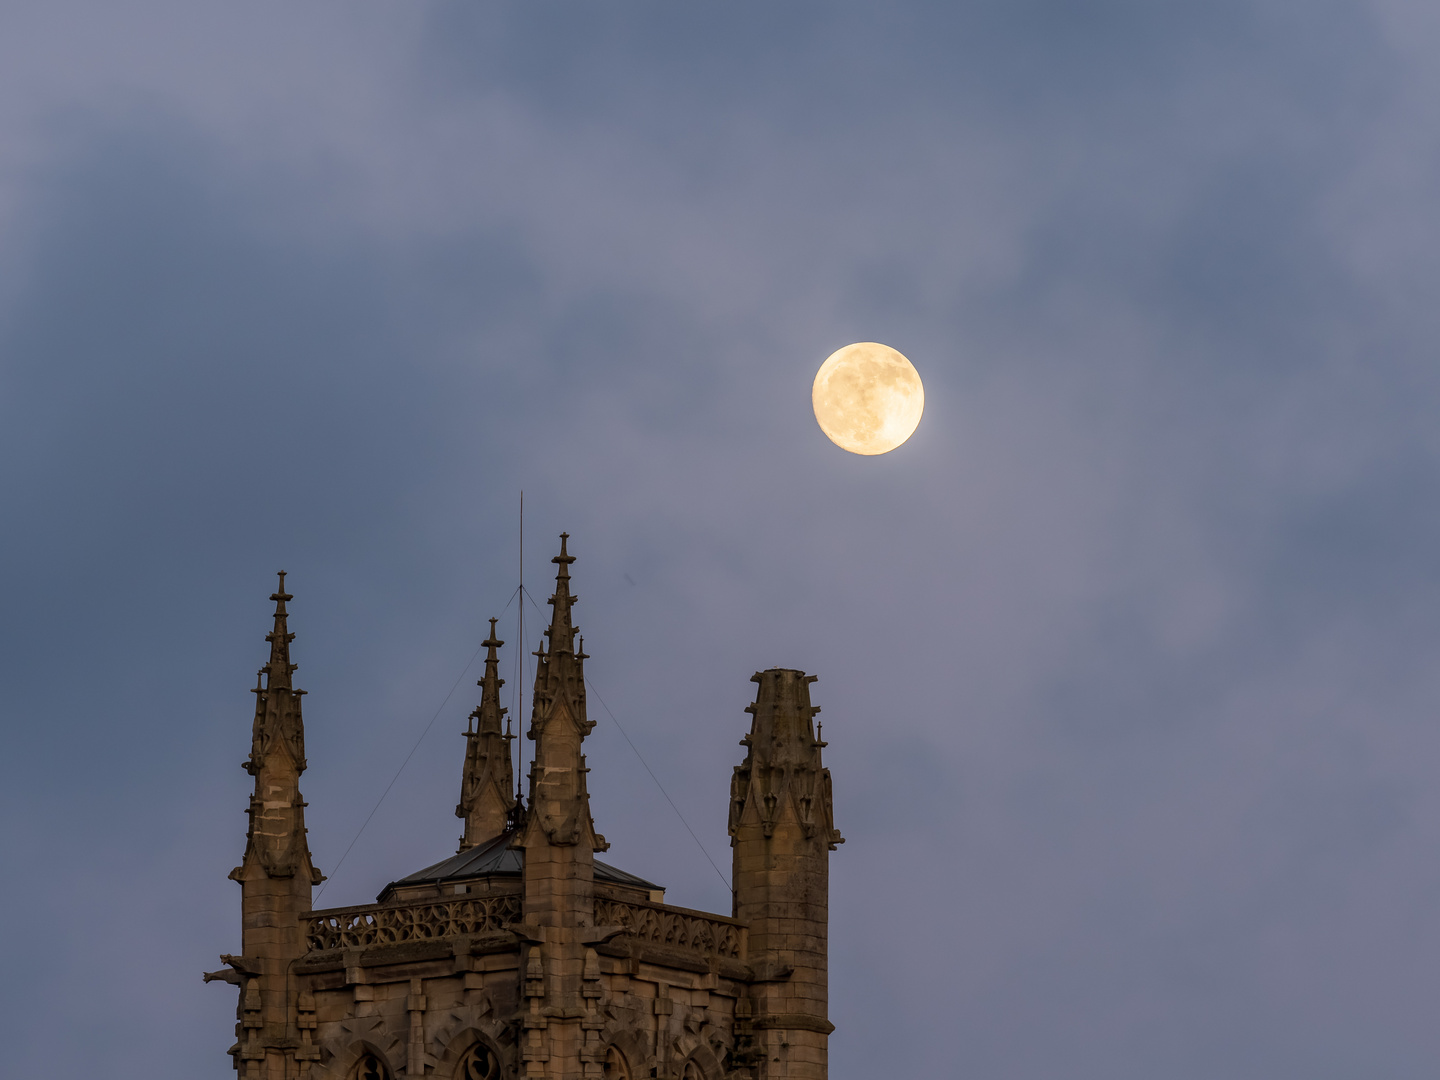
x,y
868,398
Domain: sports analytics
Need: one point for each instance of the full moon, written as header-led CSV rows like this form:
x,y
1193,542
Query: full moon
x,y
868,398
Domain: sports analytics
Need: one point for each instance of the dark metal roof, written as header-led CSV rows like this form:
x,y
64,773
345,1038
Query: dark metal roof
x,y
613,874
497,858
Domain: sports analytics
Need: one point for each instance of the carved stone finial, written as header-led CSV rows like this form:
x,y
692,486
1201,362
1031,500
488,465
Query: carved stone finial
x,y
279,669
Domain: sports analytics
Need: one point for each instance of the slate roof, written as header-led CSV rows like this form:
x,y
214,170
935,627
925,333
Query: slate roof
x,y
497,858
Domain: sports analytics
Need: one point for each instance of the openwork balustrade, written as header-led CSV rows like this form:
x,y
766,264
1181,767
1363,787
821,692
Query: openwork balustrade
x,y
665,926
349,928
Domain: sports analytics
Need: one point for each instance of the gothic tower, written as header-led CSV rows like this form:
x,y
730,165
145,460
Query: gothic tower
x,y
523,955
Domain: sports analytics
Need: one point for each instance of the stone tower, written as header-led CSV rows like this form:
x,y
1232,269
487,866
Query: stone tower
x,y
523,955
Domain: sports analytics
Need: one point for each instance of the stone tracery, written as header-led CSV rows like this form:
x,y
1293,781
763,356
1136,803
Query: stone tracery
x,y
370,1067
479,1063
615,1067
351,928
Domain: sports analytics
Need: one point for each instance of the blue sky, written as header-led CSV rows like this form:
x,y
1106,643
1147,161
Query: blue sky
x,y
1126,658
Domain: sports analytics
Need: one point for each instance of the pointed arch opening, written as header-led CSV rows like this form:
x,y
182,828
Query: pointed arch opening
x,y
701,1065
615,1066
370,1067
480,1062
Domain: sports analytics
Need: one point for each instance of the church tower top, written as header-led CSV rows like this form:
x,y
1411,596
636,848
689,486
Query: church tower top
x,y
523,955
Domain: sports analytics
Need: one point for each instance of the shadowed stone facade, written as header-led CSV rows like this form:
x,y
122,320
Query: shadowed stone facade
x,y
523,955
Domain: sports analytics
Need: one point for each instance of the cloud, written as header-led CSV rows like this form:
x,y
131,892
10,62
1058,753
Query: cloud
x,y
1124,658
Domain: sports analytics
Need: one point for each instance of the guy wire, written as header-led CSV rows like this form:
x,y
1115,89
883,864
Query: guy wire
x,y
649,770
463,672
519,696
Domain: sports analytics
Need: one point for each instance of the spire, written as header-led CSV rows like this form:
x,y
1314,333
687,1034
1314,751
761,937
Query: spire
x,y
276,843
562,632
486,799
559,800
560,670
279,669
278,724
277,871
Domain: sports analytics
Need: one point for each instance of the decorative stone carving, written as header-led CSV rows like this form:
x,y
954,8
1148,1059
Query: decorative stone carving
x,y
479,1063
370,1067
783,764
707,936
351,928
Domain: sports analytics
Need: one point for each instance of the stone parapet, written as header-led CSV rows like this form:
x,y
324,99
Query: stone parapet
x,y
365,925
387,924
681,928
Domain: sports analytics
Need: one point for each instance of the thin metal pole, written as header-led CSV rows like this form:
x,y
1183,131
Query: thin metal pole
x,y
520,655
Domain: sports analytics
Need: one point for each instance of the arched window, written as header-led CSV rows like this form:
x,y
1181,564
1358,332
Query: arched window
x,y
479,1063
692,1071
371,1067
616,1067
